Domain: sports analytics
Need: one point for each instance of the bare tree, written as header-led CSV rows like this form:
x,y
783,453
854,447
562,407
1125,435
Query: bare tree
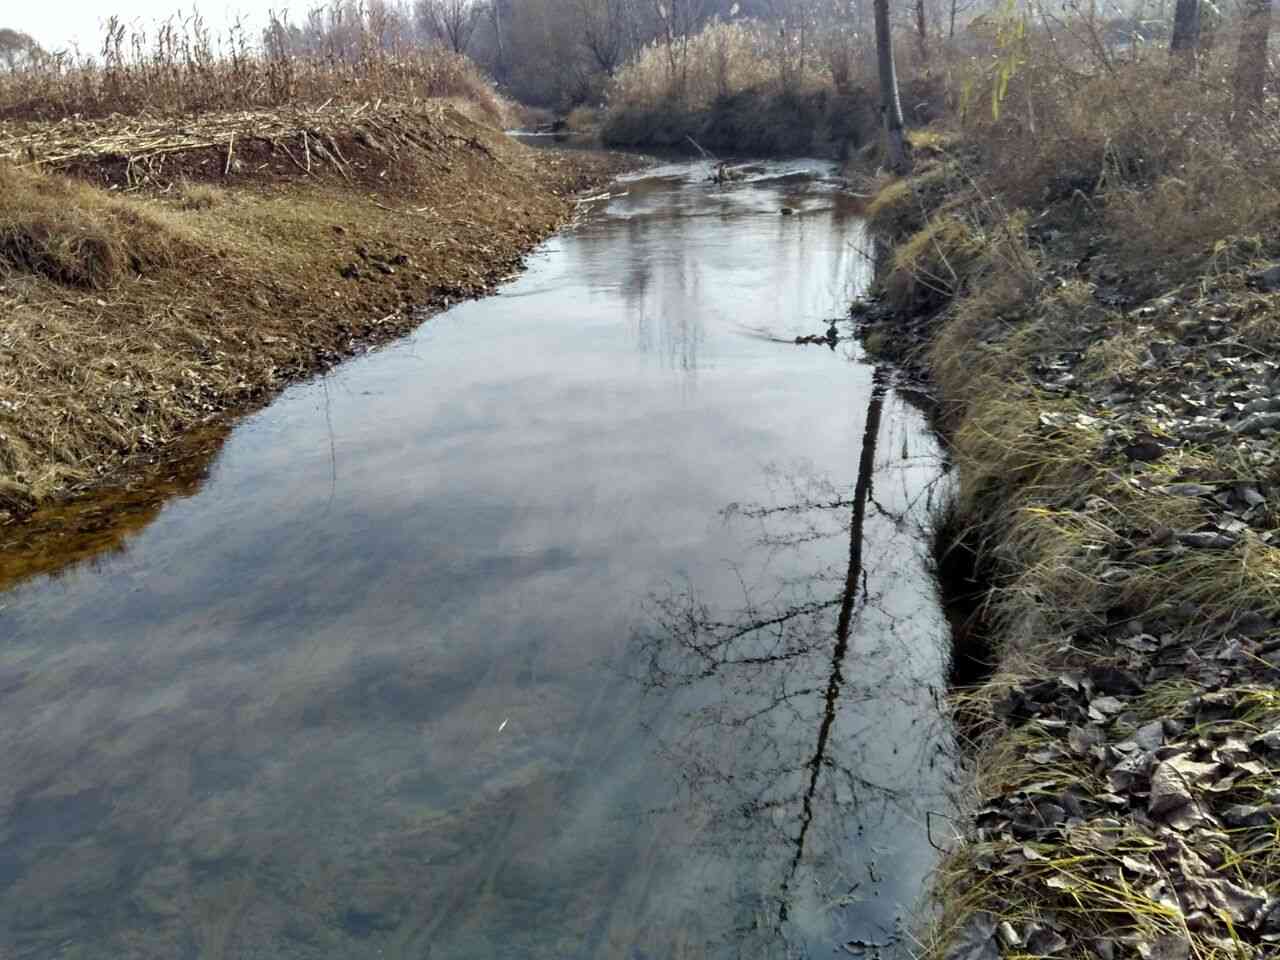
x,y
922,31
18,49
1184,46
1251,58
451,22
840,29
678,20
606,30
890,102
498,13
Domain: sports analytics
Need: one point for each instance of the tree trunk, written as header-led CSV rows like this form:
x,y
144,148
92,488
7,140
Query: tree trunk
x,y
1251,58
500,50
1184,46
922,29
890,104
951,29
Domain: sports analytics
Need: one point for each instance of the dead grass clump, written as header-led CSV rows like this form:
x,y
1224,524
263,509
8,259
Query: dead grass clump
x,y
1067,125
939,183
904,206
1168,231
73,234
200,196
929,268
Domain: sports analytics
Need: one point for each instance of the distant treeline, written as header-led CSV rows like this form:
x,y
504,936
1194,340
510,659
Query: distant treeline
x,y
557,54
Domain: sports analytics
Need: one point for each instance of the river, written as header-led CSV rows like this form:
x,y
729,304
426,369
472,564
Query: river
x,y
567,627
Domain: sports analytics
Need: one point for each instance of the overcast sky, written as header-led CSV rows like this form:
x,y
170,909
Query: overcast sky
x,y
60,23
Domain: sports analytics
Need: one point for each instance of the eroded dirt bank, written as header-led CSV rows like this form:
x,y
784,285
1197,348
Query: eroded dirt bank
x,y
157,278
1114,426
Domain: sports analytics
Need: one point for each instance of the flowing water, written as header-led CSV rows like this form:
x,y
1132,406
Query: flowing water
x,y
591,620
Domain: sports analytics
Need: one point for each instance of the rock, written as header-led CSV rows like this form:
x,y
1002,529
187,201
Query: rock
x,y
1144,450
350,272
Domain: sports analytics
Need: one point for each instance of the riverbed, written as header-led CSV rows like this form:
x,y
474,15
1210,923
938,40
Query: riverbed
x,y
536,634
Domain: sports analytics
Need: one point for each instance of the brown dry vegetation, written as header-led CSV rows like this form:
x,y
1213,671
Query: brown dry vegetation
x,y
177,67
1083,279
749,87
165,284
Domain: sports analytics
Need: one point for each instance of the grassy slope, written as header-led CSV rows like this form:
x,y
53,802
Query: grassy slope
x,y
1098,376
225,271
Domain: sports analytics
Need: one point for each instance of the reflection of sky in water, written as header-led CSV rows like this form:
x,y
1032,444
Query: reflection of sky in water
x,y
271,726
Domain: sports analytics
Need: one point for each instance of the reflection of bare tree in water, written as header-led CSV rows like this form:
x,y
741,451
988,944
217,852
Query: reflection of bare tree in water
x,y
777,744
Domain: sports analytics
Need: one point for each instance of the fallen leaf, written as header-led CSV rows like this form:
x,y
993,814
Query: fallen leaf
x,y
976,941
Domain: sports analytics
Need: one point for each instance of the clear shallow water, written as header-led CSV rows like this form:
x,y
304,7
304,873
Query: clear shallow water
x,y
516,639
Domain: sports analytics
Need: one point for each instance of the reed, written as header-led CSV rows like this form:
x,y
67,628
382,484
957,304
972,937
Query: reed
x,y
180,66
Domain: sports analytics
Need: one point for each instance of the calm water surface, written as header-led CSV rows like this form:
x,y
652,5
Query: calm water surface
x,y
533,635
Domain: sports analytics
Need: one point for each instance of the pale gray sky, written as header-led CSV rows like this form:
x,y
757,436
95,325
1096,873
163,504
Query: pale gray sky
x,y
61,23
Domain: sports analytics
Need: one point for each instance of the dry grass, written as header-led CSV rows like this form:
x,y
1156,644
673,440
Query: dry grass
x,y
931,265
1101,183
941,181
178,67
722,60
1095,883
747,88
1095,188
73,234
132,316
200,196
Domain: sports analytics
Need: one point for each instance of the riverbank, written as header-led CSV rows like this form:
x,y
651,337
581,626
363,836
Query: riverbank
x,y
757,123
1105,359
157,278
